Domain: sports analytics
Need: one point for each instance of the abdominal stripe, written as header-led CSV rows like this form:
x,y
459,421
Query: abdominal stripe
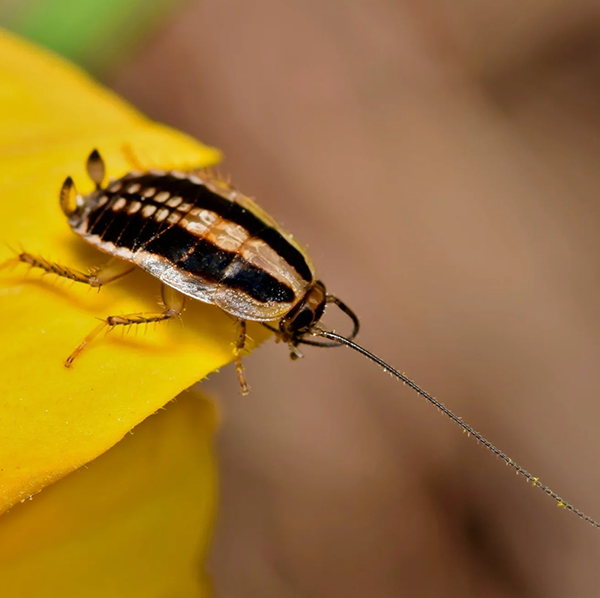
x,y
203,259
137,231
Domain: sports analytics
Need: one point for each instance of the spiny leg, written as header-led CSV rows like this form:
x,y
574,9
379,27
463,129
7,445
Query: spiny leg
x,y
131,157
109,272
239,347
173,304
136,163
295,353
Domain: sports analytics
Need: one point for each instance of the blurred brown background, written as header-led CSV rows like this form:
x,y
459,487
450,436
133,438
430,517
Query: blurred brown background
x,y
439,159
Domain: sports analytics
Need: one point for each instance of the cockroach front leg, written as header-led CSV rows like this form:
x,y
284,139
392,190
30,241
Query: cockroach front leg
x,y
239,366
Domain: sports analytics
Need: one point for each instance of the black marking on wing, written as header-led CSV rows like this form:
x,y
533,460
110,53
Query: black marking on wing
x,y
211,264
149,229
93,217
114,230
100,220
173,244
272,237
207,261
202,197
132,230
257,283
288,252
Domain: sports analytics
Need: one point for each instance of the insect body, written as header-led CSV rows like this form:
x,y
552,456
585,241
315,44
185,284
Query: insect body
x,y
203,239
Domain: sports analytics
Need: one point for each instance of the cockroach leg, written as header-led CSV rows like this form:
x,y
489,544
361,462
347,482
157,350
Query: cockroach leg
x,y
97,277
131,157
239,366
173,304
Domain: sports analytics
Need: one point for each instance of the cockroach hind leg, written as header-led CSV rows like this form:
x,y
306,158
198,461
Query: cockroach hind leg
x,y
13,261
86,341
131,157
10,263
241,376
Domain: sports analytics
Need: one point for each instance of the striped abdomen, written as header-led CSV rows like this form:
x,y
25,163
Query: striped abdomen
x,y
201,237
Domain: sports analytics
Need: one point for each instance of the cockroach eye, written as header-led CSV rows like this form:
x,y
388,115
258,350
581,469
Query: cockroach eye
x,y
303,320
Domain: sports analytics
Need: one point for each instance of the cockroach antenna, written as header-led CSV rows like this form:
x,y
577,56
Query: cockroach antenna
x,y
341,340
207,241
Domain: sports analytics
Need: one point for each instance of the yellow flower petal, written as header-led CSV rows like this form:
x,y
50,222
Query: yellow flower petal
x,y
134,522
53,420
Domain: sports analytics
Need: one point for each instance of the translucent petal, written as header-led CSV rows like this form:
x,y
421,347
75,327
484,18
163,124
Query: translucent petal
x,y
133,523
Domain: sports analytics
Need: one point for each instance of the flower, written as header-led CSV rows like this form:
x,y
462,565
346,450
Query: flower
x,y
125,525
135,522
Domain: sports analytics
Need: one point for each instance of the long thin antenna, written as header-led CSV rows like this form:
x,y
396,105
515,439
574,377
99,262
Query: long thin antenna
x,y
332,336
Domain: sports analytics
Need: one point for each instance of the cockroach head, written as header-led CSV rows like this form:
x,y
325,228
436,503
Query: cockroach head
x,y
305,314
302,320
